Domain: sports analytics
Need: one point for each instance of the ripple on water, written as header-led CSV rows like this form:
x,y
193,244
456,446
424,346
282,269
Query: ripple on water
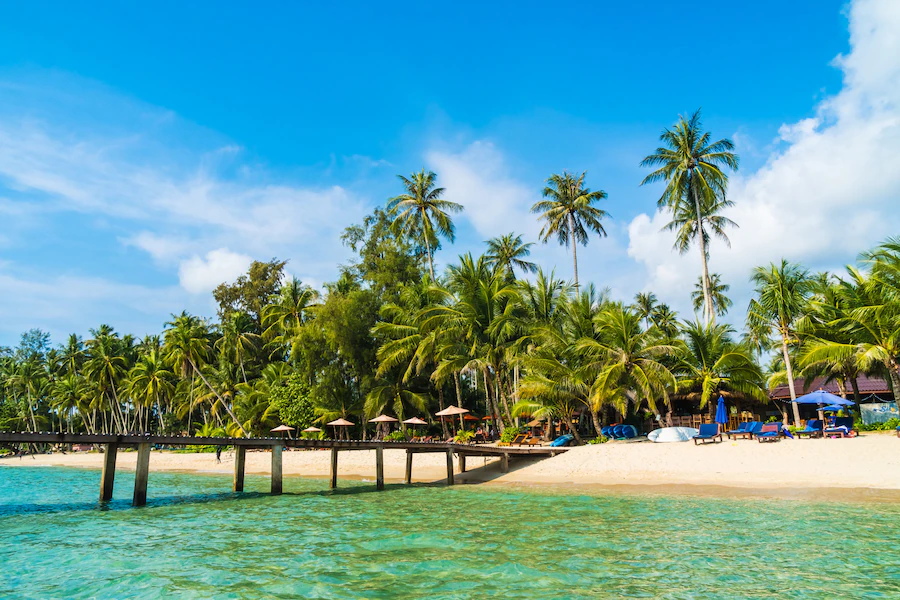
x,y
196,539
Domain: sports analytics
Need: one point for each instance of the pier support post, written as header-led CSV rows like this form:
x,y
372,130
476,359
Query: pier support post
x,y
107,478
334,467
504,463
450,466
276,470
379,467
462,463
409,456
240,459
141,475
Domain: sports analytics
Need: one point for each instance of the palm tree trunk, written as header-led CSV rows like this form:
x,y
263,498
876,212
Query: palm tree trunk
x,y
441,405
430,260
159,412
855,386
574,430
790,378
224,404
574,249
597,426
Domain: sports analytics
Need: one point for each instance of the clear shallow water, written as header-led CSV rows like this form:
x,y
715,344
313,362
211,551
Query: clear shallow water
x,y
195,539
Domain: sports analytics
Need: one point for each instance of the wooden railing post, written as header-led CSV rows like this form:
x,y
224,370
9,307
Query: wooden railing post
x,y
141,475
276,470
379,467
409,458
334,466
240,459
108,476
450,466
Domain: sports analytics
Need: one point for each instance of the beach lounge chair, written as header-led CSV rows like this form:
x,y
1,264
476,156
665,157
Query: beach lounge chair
x,y
742,428
843,427
708,431
562,440
752,428
813,429
532,441
770,432
517,441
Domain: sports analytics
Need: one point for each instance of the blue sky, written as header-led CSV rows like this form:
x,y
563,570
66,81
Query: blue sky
x,y
148,152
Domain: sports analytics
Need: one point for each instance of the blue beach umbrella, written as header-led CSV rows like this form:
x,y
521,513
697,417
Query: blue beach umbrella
x,y
721,417
823,398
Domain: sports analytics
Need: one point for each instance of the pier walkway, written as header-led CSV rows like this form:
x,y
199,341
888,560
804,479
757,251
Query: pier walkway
x,y
112,442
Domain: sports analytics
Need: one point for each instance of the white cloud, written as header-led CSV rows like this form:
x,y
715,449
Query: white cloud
x,y
478,178
200,275
828,192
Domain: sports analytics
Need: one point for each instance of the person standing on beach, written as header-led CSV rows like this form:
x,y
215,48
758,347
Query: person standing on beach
x,y
218,454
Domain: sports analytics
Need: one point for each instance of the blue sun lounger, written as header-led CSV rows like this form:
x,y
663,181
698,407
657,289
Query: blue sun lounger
x,y
771,432
708,431
742,428
813,429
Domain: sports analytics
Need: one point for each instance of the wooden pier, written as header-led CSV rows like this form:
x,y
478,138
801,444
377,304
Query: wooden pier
x,y
111,444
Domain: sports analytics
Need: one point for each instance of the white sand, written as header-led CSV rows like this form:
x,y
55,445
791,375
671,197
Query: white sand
x,y
871,462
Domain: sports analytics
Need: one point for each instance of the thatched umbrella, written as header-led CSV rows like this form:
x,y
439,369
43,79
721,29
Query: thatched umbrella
x,y
383,419
312,430
451,411
415,422
342,422
282,429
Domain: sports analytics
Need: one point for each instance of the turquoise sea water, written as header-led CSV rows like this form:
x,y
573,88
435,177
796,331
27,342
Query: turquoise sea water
x,y
195,539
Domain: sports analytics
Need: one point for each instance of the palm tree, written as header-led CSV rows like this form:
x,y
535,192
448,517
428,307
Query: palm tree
x,y
105,367
239,339
187,346
692,168
666,320
711,363
290,310
569,213
782,296
150,382
720,302
422,212
393,395
510,251
645,304
627,360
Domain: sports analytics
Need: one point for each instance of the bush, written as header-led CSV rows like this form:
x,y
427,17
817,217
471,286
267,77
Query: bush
x,y
509,434
395,436
598,440
889,425
464,437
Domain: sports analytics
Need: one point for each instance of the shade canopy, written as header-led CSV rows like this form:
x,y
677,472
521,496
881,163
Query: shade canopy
x,y
535,423
282,428
312,430
342,422
721,416
471,418
833,408
487,418
824,398
415,421
451,410
383,419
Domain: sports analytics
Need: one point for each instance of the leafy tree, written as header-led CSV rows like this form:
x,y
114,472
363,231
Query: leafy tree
x,y
510,252
569,213
421,212
720,302
250,293
782,299
692,168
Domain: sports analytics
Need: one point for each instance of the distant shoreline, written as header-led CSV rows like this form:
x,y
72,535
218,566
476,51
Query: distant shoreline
x,y
861,469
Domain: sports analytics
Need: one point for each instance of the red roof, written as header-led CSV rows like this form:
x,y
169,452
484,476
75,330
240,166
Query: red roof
x,y
867,385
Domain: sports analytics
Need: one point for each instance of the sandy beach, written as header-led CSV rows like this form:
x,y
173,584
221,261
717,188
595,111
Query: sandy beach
x,y
869,462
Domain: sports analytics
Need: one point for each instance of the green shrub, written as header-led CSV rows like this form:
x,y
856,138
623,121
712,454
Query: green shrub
x,y
509,434
464,437
396,436
599,440
889,425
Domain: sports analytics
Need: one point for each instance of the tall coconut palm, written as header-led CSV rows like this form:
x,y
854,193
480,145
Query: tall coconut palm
x,y
645,304
422,212
693,169
150,383
510,251
188,346
720,302
283,318
105,367
239,340
569,213
782,296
